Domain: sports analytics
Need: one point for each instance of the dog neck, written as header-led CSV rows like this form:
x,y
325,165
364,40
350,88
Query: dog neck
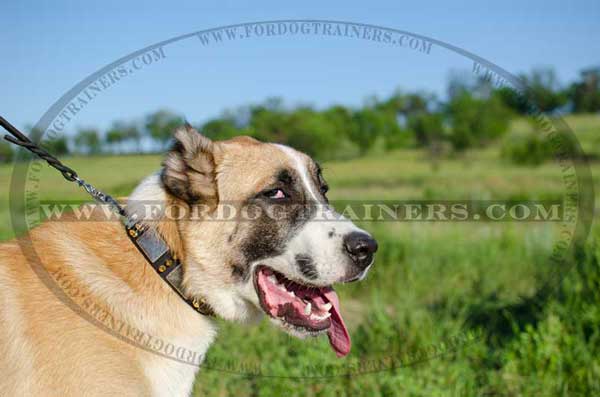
x,y
151,205
158,238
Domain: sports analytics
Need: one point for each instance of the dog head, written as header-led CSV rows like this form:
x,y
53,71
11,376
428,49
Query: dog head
x,y
258,234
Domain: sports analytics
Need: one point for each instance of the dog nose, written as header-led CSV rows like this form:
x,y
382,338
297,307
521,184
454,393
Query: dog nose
x,y
361,248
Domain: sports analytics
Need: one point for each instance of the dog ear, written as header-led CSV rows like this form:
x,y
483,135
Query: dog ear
x,y
189,167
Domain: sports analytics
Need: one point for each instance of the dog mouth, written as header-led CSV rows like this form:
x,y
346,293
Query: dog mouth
x,y
309,309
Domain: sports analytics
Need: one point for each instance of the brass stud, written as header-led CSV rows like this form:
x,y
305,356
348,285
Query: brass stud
x,y
169,262
133,233
162,268
195,303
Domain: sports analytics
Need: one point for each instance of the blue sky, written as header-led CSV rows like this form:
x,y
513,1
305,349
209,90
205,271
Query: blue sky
x,y
47,47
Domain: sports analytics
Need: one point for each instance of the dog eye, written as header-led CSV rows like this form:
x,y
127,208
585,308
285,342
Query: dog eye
x,y
324,189
276,194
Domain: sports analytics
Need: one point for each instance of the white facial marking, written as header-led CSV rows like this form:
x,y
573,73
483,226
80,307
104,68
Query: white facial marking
x,y
321,238
300,167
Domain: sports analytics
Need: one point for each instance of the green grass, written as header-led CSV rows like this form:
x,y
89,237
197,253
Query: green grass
x,y
116,175
431,282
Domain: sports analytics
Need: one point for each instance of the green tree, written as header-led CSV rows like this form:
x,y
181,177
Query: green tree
x,y
220,128
409,118
341,122
311,132
121,133
585,94
544,90
87,140
476,122
406,104
133,135
461,82
427,128
340,119
268,124
6,152
368,125
161,124
114,137
57,146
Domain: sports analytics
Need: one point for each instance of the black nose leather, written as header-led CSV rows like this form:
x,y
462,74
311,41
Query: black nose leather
x,y
361,248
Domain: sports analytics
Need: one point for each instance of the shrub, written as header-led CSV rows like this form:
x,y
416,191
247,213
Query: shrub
x,y
476,122
560,355
525,148
533,148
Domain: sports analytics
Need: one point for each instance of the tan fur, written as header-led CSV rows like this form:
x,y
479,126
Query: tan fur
x,y
48,349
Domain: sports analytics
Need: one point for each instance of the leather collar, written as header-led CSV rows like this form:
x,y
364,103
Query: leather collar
x,y
164,262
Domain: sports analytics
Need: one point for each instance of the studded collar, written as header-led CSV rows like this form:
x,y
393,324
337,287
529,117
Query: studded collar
x,y
164,262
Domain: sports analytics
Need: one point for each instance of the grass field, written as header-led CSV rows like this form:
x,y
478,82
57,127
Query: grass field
x,y
432,284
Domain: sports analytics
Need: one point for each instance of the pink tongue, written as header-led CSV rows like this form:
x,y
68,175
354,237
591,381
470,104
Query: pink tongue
x,y
338,334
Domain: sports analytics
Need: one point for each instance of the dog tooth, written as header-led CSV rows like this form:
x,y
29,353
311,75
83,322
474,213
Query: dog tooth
x,y
272,279
308,308
320,318
326,307
292,293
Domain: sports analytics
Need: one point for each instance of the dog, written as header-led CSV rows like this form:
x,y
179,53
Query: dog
x,y
280,266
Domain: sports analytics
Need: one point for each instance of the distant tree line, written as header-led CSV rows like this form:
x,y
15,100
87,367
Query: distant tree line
x,y
472,115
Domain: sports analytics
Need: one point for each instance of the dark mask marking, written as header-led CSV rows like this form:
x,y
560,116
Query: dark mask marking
x,y
306,266
267,236
285,177
239,272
